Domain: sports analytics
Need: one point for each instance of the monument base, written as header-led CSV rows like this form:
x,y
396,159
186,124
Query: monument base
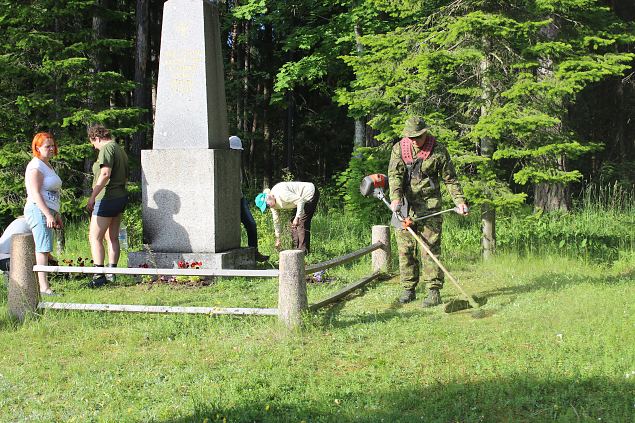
x,y
191,200
239,258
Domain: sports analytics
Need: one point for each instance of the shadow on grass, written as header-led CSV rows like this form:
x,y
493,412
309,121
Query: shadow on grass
x,y
331,313
555,281
505,400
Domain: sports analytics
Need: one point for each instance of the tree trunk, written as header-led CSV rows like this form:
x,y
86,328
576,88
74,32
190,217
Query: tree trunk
x,y
549,196
621,122
87,183
96,103
266,134
253,136
142,91
246,69
487,148
232,74
360,124
236,61
99,32
290,130
360,133
156,17
488,225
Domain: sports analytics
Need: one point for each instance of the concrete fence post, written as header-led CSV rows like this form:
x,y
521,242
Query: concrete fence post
x,y
292,300
23,290
381,257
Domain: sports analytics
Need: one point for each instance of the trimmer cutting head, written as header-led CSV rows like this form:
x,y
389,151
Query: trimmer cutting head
x,y
460,304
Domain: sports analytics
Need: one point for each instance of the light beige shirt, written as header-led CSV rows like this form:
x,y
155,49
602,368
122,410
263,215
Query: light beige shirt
x,y
290,195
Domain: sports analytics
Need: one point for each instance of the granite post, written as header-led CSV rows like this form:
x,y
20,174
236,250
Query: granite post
x,y
381,258
292,298
191,179
23,290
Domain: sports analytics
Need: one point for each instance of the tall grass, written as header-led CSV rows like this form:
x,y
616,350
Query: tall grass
x,y
600,228
614,197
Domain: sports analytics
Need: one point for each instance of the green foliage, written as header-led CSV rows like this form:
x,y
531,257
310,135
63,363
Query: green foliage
x,y
134,226
58,76
365,161
250,9
305,70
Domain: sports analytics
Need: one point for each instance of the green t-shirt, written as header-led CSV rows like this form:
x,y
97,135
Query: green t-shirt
x,y
112,156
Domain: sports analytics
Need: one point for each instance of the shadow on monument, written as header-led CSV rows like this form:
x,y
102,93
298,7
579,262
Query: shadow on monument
x,y
520,398
166,235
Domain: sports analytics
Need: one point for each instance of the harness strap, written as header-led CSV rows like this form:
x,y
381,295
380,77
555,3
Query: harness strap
x,y
423,154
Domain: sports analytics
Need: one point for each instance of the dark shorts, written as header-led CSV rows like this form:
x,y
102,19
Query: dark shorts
x,y
110,207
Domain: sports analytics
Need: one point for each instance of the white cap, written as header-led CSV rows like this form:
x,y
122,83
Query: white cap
x,y
235,143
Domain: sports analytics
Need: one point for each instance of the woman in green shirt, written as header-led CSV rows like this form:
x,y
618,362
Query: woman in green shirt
x,y
108,199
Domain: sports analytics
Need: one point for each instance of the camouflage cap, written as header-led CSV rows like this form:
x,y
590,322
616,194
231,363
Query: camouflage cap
x,y
415,126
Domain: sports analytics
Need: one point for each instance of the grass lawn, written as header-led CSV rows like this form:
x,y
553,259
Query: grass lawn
x,y
557,343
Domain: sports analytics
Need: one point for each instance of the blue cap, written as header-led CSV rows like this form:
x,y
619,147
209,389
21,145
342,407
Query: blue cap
x,y
261,201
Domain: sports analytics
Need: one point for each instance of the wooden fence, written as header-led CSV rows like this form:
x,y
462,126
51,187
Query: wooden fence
x,y
23,291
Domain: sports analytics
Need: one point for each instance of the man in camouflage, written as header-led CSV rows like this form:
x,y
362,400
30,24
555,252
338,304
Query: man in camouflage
x,y
418,182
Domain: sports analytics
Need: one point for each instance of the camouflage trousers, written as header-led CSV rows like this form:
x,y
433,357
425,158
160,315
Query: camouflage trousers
x,y
409,267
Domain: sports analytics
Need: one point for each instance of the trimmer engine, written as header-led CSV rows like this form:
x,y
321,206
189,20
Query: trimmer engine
x,y
374,185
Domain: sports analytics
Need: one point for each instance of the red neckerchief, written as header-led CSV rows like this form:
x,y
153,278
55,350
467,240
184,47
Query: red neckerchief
x,y
407,145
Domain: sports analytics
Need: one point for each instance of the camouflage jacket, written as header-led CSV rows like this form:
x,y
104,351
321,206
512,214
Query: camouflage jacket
x,y
423,191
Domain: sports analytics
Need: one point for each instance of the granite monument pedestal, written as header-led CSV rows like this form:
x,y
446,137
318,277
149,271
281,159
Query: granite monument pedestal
x,y
191,209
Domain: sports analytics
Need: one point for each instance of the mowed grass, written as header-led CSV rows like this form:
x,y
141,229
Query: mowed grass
x,y
556,343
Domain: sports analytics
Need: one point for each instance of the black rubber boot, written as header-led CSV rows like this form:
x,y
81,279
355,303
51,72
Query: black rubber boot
x,y
433,299
407,296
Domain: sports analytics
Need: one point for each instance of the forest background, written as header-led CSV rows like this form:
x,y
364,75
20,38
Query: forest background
x,y
534,98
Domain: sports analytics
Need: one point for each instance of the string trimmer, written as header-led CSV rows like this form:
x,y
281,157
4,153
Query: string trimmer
x,y
374,185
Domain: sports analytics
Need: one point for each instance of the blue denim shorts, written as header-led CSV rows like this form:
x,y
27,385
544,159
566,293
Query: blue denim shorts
x,y
110,207
42,235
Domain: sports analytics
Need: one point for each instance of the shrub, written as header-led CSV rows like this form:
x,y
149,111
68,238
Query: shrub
x,y
365,161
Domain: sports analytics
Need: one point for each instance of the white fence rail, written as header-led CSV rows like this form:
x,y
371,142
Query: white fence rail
x,y
274,273
23,292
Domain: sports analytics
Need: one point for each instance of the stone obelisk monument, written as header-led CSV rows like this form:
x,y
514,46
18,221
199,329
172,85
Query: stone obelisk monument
x,y
191,179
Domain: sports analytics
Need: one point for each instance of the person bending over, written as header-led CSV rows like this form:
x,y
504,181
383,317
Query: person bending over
x,y
301,196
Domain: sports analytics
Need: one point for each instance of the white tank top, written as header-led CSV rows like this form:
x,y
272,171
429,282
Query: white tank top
x,y
51,185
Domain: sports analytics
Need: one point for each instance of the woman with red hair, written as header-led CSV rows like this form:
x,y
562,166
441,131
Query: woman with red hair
x,y
42,208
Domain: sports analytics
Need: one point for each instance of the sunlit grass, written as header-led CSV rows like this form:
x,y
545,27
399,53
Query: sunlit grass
x,y
555,345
